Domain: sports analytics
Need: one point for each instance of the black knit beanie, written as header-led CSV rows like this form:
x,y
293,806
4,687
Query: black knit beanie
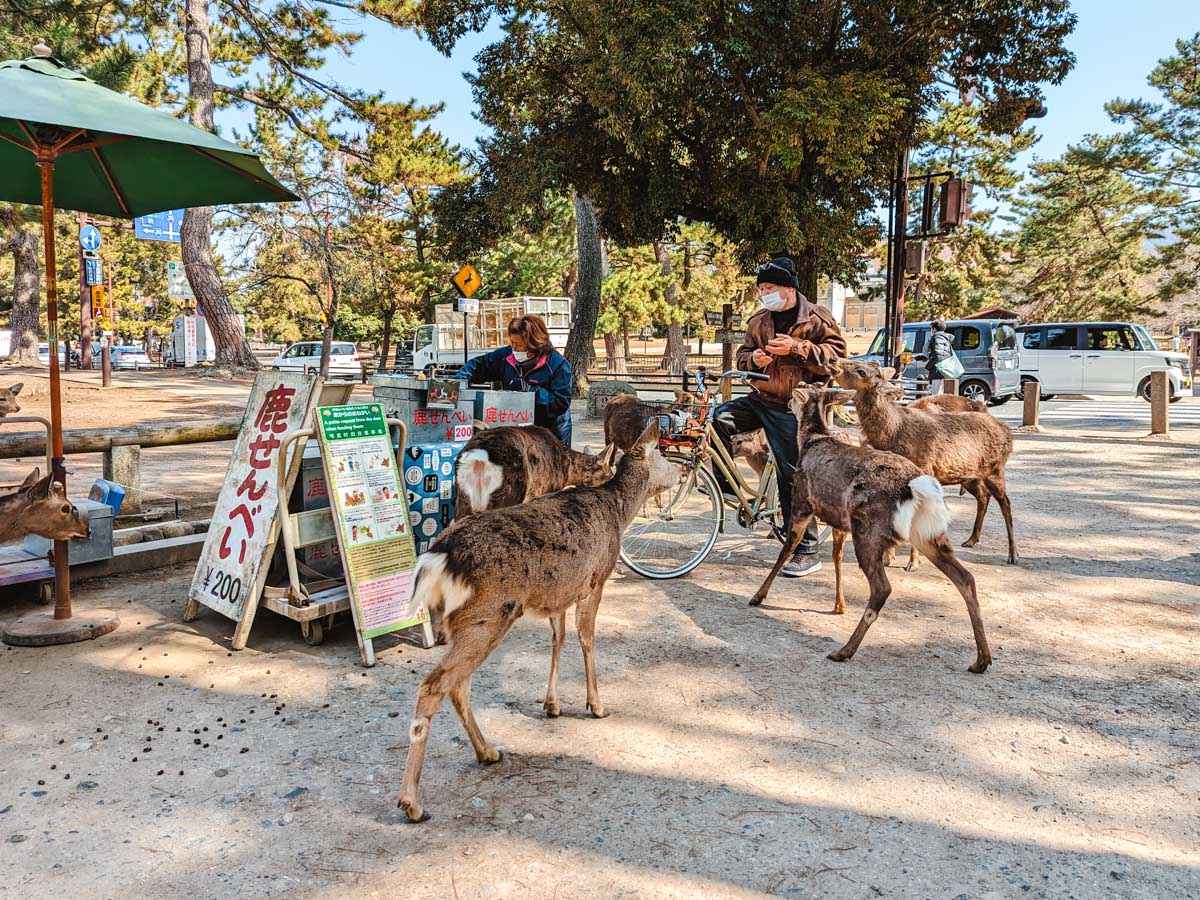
x,y
781,271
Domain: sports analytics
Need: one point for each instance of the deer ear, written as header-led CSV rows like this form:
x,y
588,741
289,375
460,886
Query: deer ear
x,y
16,388
648,439
32,478
57,491
887,374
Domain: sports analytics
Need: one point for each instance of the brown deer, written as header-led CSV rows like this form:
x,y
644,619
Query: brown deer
x,y
486,571
881,499
511,464
40,506
970,450
752,447
8,400
948,403
625,419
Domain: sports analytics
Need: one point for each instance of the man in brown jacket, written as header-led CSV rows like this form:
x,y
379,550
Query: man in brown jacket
x,y
793,341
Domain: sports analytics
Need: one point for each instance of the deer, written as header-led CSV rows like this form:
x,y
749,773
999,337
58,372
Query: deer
x,y
948,403
486,571
40,506
881,499
970,450
512,464
625,418
752,447
8,400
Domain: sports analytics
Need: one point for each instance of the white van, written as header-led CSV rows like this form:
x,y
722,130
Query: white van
x,y
306,356
1100,358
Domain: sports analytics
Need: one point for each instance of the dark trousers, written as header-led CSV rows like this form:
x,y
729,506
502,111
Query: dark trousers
x,y
748,413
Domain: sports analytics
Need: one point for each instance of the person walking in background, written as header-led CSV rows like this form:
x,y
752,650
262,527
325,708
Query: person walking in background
x,y
941,348
530,364
793,341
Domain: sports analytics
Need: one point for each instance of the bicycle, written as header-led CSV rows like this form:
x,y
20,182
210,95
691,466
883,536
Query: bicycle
x,y
678,528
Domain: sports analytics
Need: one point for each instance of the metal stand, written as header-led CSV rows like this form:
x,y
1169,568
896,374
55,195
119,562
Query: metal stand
x,y
315,604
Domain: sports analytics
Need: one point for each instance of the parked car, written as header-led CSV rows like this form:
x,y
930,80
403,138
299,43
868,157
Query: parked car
x,y
130,356
1099,358
987,349
44,355
306,356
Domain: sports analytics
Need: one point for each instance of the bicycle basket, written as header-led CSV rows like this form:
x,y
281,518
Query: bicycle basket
x,y
677,422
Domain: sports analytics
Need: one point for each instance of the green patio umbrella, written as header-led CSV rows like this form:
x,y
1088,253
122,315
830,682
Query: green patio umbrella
x,y
66,141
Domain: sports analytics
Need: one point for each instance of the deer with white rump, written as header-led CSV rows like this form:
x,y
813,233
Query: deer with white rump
x,y
880,499
486,571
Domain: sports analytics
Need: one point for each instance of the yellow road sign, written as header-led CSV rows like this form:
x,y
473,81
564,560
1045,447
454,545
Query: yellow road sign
x,y
98,301
467,280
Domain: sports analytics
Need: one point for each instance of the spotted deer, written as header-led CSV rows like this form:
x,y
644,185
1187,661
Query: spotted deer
x,y
880,499
543,557
40,506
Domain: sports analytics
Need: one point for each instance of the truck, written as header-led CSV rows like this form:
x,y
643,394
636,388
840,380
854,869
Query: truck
x,y
191,342
440,344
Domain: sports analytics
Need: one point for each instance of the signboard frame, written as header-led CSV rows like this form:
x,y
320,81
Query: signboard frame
x,y
362,470
730,336
150,227
178,286
263,425
93,270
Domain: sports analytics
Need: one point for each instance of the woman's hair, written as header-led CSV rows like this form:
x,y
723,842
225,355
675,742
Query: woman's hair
x,y
533,331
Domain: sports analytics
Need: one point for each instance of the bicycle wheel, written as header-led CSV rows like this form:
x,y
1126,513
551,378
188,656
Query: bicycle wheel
x,y
675,531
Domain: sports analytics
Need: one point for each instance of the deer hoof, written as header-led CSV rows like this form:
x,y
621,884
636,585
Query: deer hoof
x,y
839,610
491,756
970,542
838,656
757,600
1013,559
553,710
413,811
912,566
979,666
598,711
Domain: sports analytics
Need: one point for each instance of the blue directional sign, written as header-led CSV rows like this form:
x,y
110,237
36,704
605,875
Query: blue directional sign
x,y
94,271
163,226
89,237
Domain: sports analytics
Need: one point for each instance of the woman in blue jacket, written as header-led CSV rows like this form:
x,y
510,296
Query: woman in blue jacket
x,y
530,364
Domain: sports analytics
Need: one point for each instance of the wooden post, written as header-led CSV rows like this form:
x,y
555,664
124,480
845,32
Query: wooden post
x,y
950,386
1033,406
123,464
726,352
1160,400
105,365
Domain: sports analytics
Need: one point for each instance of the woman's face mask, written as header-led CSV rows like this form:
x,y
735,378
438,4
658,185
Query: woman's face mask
x,y
521,355
773,301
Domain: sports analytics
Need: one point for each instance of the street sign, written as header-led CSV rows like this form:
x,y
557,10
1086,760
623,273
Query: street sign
x,y
98,301
647,333
178,287
729,336
93,271
162,226
465,305
89,237
736,320
467,281
712,317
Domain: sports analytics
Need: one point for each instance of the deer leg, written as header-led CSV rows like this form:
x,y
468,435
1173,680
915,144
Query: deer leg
x,y
558,631
460,696
982,498
800,520
469,649
872,565
585,624
914,559
996,486
839,600
943,557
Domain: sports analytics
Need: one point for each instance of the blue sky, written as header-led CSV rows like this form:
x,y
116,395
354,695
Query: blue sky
x,y
1116,44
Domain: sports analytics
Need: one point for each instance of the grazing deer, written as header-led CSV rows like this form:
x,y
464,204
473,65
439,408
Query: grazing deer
x,y
511,464
948,403
486,571
8,400
881,499
40,507
625,419
970,450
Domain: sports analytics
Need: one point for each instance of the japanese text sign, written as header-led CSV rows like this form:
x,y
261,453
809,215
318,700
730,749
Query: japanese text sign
x,y
244,528
371,513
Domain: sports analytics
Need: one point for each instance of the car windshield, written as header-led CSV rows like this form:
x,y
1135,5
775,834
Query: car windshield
x,y
1144,339
879,344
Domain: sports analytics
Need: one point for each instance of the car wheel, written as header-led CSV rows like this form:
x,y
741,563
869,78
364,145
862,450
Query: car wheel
x,y
975,390
1020,395
1144,389
1000,401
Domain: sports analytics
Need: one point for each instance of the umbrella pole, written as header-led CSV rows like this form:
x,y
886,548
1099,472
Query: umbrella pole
x,y
62,564
40,629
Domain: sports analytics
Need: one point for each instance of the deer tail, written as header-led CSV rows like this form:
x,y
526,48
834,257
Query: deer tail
x,y
922,517
478,478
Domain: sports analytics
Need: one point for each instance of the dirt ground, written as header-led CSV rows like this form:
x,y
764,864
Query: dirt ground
x,y
737,760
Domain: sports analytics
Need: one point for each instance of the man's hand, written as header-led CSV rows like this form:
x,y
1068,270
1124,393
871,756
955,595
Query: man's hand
x,y
760,359
780,345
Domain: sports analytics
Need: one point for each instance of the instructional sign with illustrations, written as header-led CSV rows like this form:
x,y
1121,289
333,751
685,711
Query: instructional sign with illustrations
x,y
371,512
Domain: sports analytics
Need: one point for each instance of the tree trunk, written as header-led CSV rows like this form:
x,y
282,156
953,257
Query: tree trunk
x,y
580,352
806,272
614,354
196,235
26,297
674,358
625,339
389,314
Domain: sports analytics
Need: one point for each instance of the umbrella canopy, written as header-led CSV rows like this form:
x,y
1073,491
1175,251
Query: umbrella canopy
x,y
115,156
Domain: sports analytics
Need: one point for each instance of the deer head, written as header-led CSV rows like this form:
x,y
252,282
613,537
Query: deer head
x,y
810,404
8,400
588,470
662,474
860,375
45,510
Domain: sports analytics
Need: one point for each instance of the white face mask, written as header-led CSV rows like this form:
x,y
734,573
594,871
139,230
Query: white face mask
x,y
520,356
773,301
